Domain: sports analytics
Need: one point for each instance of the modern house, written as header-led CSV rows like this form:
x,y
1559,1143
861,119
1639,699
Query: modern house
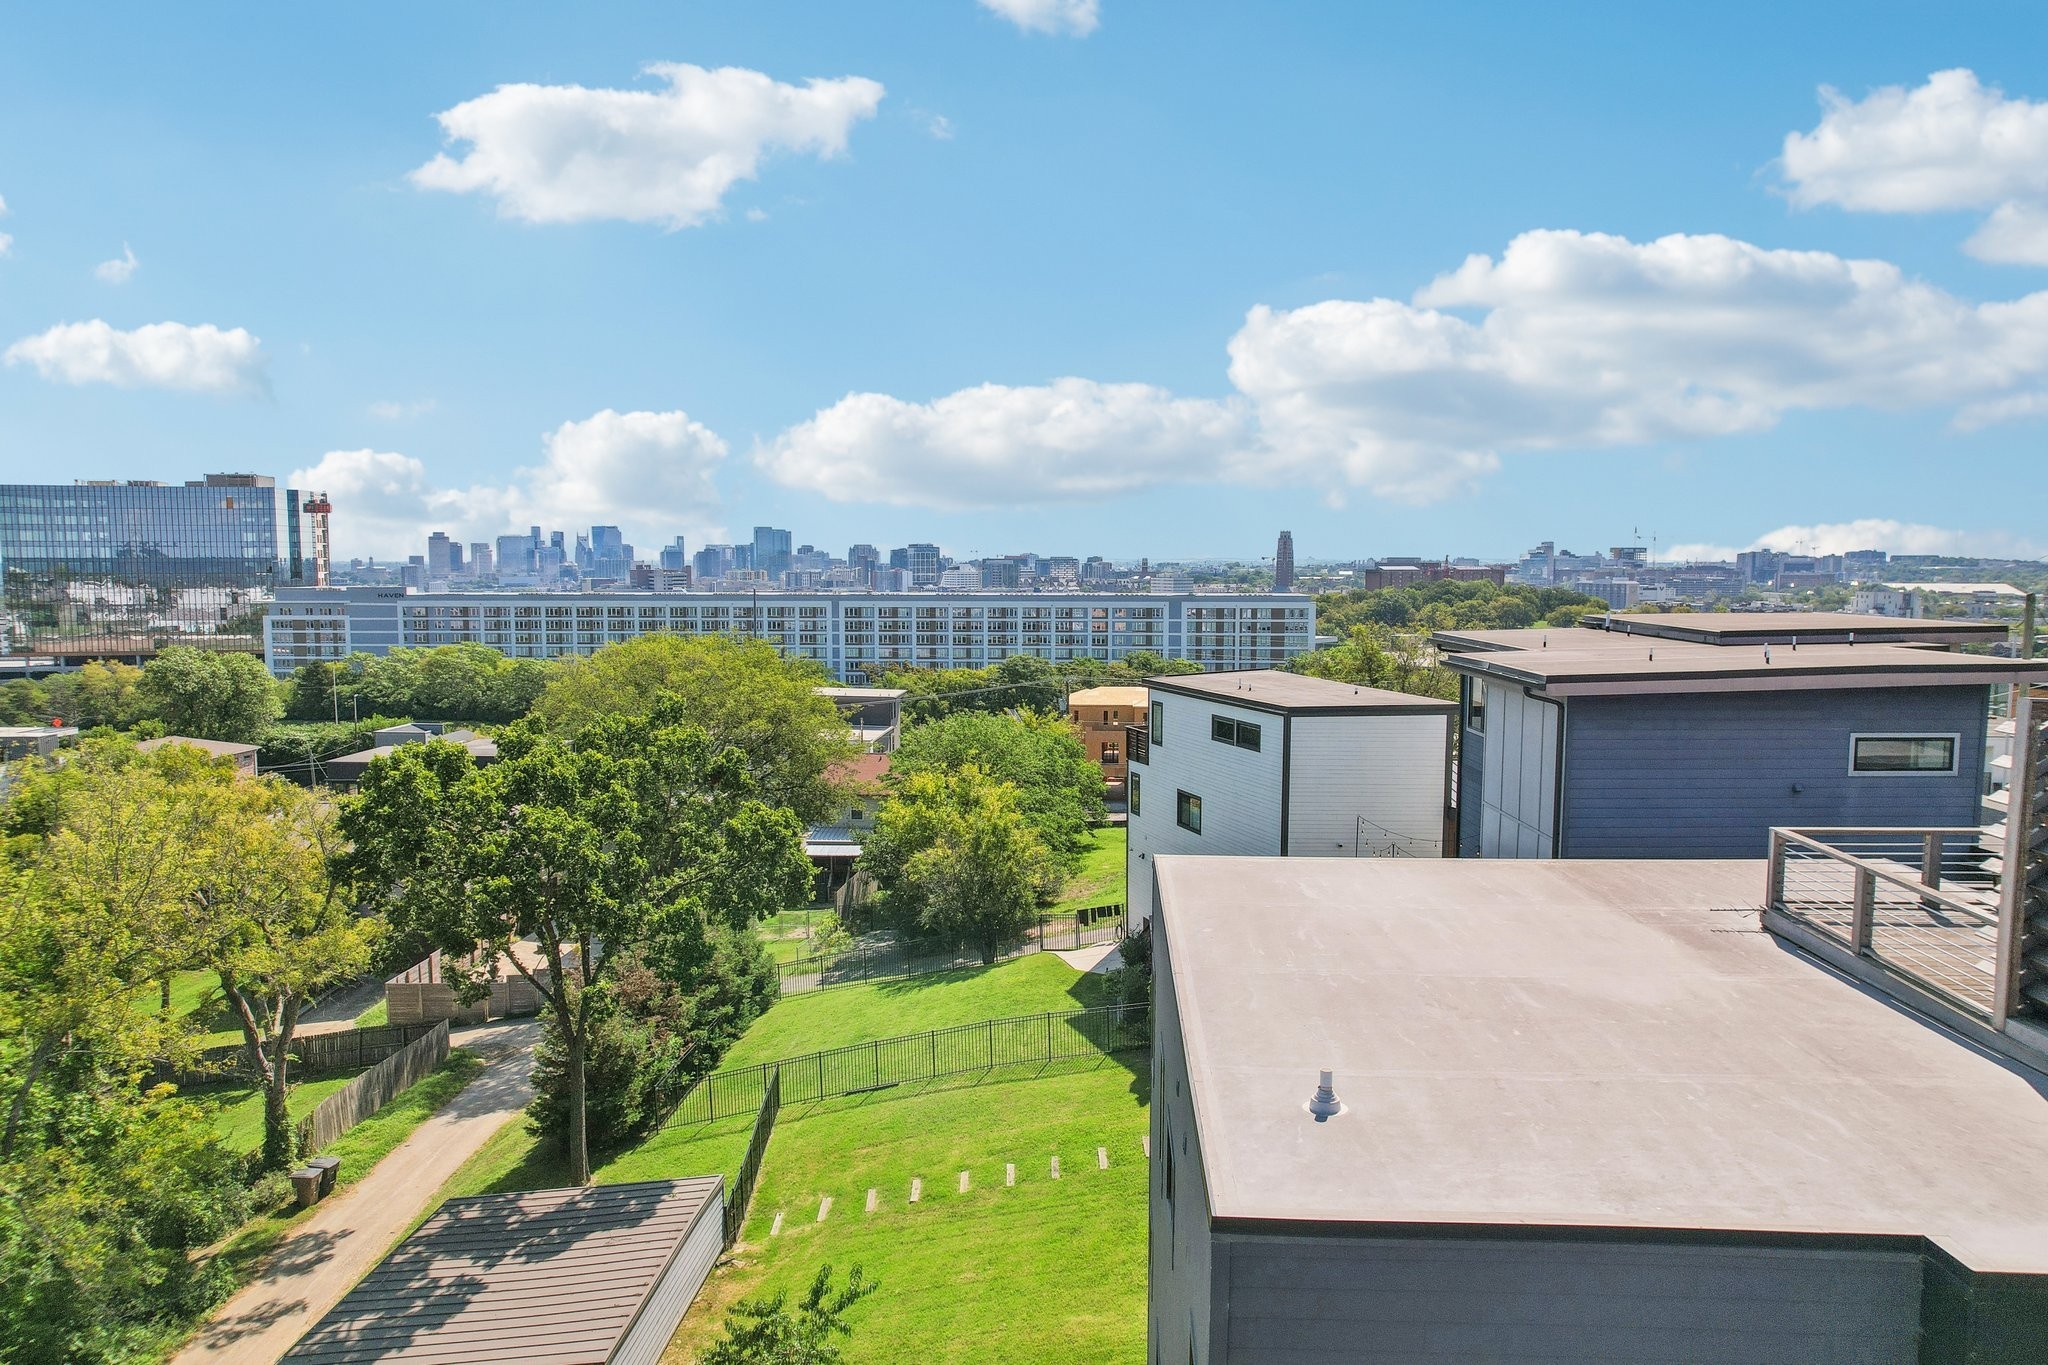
x,y
33,741
243,756
1268,762
345,772
874,714
1101,714
1692,735
1451,1111
594,1273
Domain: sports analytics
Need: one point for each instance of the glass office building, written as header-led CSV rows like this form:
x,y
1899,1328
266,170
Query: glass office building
x,y
118,570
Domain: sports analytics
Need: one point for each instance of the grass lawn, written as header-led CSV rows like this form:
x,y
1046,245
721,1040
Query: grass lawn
x,y
1100,878
238,1106
195,996
377,1016
1048,1270
515,1160
839,1015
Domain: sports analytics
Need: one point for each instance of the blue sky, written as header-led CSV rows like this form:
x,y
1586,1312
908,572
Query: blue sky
x,y
1121,278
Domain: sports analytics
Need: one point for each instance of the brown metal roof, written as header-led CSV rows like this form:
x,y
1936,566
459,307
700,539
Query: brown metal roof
x,y
1271,689
549,1277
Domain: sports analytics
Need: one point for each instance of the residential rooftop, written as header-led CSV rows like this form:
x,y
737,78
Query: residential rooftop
x,y
1610,1044
1817,627
1732,628
1567,663
862,694
559,1276
219,748
1135,697
1282,692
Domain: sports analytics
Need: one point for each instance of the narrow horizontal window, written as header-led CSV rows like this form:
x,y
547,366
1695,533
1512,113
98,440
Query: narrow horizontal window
x,y
1919,754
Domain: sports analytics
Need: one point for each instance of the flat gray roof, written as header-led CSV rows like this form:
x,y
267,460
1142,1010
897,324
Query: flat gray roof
x,y
1606,1044
1568,663
1757,627
1272,689
546,1276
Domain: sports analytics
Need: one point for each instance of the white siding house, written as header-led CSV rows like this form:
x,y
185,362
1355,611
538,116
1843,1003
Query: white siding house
x,y
1269,763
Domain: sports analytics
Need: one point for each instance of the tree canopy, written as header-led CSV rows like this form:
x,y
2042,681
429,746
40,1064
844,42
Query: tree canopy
x,y
1022,681
739,692
636,838
210,694
1058,789
471,682
958,859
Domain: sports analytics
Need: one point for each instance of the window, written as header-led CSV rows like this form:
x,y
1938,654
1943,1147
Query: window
x,y
1137,789
1475,706
1111,755
1187,812
1242,733
1903,755
1159,722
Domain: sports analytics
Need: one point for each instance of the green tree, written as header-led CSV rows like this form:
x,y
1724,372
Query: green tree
x,y
1058,790
741,693
210,694
766,1332
957,858
273,925
635,838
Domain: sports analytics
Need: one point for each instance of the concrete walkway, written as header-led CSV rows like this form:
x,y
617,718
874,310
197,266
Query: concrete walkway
x,y
322,1258
1096,957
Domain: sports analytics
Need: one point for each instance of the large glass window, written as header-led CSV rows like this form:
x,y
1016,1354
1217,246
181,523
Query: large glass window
x,y
1242,733
1187,812
1923,755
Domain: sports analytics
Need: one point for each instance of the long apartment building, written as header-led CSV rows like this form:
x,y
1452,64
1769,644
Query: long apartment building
x,y
852,634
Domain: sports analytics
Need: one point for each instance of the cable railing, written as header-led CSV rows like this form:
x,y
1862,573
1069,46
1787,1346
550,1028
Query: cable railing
x,y
1922,903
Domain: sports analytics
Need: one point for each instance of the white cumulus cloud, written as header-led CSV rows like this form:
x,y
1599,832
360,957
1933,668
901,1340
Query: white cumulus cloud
x,y
1952,143
162,355
568,153
1077,18
997,446
650,473
119,270
1872,533
1567,340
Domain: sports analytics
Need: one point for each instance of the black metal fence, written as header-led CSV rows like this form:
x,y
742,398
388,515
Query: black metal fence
x,y
888,1062
750,1169
884,955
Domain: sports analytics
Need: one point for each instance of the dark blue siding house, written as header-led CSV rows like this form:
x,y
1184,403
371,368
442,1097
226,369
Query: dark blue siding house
x,y
1624,742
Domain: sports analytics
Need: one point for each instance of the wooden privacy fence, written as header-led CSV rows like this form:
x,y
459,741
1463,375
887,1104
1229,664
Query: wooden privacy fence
x,y
355,1048
372,1090
341,1050
886,1062
750,1169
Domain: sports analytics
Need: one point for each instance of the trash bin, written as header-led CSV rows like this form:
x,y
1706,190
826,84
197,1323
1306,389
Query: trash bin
x,y
329,1167
306,1185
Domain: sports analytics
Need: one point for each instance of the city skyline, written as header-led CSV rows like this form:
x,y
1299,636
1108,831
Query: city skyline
x,y
1665,286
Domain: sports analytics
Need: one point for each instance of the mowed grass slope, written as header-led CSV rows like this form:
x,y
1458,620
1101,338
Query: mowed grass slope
x,y
1099,880
839,1015
515,1160
1045,1271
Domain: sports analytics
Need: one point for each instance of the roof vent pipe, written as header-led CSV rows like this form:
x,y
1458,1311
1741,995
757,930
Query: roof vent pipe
x,y
1324,1104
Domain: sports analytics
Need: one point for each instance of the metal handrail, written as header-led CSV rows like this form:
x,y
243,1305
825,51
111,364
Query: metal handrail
x,y
1923,888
